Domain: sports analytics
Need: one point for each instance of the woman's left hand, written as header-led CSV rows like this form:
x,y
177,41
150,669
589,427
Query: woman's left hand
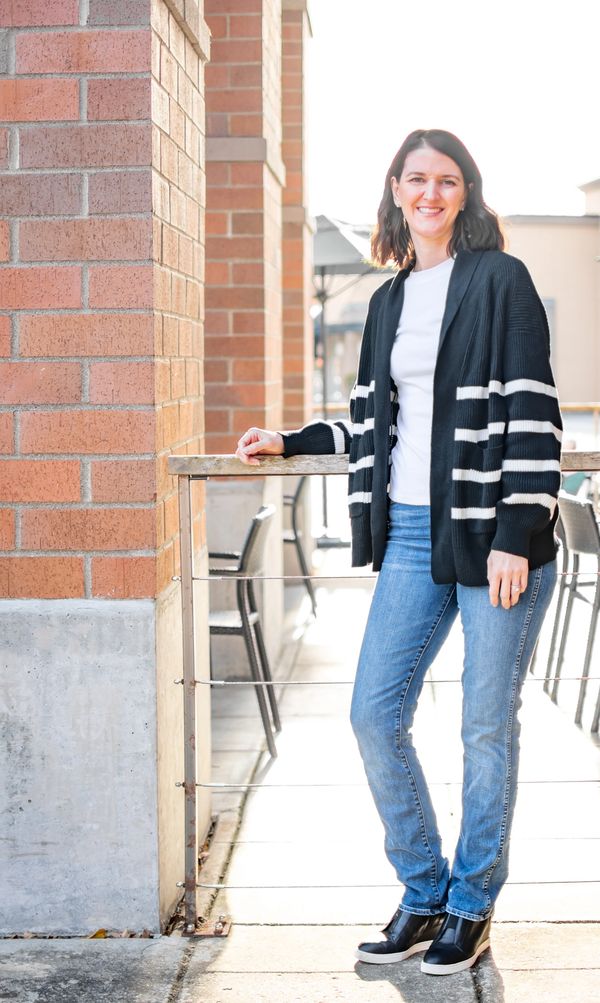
x,y
507,575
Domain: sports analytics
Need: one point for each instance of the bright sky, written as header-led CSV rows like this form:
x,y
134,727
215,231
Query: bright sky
x,y
516,80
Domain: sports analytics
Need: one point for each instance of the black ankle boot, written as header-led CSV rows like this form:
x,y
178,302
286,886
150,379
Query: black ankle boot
x,y
457,946
406,934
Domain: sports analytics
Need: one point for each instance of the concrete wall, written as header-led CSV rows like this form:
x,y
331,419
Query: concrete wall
x,y
78,802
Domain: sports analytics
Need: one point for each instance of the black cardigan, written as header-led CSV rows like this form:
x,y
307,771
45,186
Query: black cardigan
x,y
496,430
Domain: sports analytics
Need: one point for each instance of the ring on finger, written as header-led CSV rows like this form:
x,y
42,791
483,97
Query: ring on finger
x,y
515,588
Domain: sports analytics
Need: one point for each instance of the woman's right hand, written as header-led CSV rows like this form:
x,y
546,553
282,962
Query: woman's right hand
x,y
258,441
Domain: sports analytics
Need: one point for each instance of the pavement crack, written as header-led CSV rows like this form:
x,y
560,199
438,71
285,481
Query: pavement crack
x,y
477,987
184,964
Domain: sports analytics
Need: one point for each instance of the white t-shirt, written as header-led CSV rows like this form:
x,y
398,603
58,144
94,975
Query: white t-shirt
x,y
412,366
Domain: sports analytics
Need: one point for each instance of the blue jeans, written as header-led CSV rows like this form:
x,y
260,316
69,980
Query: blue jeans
x,y
409,620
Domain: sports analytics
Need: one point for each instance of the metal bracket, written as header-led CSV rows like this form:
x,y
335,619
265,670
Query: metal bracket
x,y
214,928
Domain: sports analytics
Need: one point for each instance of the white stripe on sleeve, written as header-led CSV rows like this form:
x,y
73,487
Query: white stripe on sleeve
x,y
529,498
541,427
339,443
530,466
504,389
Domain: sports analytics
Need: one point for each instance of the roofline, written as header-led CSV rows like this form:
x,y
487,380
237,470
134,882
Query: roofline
x,y
589,185
590,219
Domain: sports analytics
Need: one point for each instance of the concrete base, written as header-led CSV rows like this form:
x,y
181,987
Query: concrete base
x,y
91,824
170,743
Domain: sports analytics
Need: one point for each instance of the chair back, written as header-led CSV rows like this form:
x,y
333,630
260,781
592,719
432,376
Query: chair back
x,y
559,529
580,526
253,550
300,486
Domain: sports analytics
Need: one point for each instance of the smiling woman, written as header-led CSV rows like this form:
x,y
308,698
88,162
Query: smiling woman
x,y
454,444
432,204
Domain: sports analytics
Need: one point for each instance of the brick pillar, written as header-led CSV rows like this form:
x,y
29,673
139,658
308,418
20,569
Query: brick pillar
x,y
243,222
297,228
101,201
245,177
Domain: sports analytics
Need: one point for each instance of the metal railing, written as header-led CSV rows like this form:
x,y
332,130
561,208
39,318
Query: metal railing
x,y
194,468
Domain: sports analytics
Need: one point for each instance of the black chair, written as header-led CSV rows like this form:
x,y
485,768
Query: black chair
x,y
582,537
571,485
562,585
294,536
245,620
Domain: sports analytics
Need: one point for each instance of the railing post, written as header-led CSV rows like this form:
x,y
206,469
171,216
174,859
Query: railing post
x,y
189,700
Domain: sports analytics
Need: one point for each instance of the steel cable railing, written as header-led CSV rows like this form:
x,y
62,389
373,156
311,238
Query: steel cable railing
x,y
192,468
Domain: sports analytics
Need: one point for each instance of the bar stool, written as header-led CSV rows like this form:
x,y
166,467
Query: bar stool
x,y
245,620
582,537
294,536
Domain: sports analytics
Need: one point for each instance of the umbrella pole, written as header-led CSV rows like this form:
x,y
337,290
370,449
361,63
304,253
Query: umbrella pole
x,y
325,541
324,388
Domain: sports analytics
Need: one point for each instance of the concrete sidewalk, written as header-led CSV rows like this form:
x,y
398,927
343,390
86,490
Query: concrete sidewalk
x,y
318,850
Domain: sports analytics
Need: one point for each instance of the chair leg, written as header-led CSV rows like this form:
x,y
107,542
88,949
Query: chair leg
x,y
555,627
303,563
588,657
264,661
267,675
572,587
306,573
260,691
257,676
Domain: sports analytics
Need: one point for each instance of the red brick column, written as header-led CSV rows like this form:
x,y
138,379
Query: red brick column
x,y
297,229
243,244
101,282
100,291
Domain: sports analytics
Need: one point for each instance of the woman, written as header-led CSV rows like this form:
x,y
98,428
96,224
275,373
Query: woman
x,y
454,443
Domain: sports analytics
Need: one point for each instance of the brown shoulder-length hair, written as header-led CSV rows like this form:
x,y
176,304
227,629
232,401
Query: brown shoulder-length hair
x,y
477,227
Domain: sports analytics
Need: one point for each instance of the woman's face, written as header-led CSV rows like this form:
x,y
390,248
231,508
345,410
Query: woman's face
x,y
431,192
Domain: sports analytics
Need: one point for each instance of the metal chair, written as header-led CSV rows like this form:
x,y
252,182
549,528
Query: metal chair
x,y
245,620
572,484
294,536
562,585
582,537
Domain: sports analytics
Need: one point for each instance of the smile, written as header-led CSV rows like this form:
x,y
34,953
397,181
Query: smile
x,y
428,210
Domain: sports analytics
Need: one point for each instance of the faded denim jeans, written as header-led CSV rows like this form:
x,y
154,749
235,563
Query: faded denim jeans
x,y
409,620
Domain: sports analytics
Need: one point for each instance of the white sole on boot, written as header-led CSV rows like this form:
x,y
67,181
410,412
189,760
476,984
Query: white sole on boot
x,y
389,959
459,966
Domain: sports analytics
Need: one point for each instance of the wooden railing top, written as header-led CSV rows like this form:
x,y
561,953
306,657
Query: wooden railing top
x,y
229,466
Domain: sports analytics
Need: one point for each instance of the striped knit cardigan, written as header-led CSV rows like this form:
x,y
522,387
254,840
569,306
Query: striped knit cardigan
x,y
496,429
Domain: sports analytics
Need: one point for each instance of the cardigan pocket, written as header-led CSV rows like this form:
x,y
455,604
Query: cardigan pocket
x,y
476,486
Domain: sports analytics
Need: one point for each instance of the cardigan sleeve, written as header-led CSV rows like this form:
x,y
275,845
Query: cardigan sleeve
x,y
318,437
530,477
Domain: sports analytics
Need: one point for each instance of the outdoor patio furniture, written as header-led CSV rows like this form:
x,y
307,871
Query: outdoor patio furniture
x,y
582,538
562,585
244,621
294,536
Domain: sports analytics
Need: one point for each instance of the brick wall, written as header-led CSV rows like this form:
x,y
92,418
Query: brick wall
x,y
178,202
297,229
99,300
243,221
